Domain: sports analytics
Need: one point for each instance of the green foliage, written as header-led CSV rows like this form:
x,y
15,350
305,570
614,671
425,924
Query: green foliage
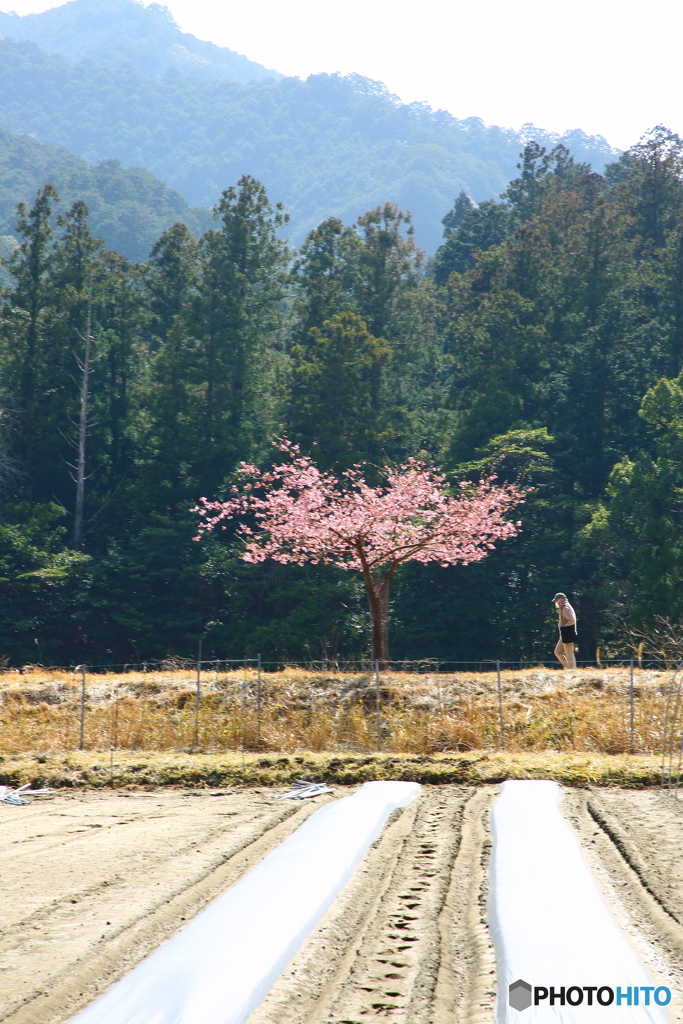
x,y
644,517
373,269
515,455
480,228
550,355
42,331
334,402
454,218
561,327
38,578
329,146
208,383
129,207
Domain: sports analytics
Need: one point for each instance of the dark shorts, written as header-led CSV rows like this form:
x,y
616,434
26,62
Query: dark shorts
x,y
568,634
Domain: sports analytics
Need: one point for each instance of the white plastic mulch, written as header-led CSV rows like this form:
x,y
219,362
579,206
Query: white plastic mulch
x,y
549,922
220,966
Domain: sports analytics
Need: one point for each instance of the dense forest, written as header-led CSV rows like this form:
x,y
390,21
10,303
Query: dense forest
x,y
129,207
543,341
329,146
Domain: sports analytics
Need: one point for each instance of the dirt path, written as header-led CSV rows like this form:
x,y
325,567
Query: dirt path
x,y
94,882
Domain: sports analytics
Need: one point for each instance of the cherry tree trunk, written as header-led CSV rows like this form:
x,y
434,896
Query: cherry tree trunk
x,y
378,597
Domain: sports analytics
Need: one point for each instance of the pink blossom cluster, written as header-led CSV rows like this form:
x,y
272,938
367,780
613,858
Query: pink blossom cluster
x,y
302,515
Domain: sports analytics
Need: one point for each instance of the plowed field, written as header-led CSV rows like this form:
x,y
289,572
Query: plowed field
x,y
94,882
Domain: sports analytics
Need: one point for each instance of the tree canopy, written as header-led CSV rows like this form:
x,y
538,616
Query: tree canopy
x,y
548,353
329,146
303,515
128,207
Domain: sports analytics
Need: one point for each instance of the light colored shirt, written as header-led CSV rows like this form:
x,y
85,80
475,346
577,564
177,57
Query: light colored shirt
x,y
566,615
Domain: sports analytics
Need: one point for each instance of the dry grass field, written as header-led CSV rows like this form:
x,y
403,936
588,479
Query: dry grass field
x,y
297,710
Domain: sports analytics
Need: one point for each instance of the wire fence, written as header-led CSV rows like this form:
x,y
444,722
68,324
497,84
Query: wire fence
x,y
421,707
348,665
672,735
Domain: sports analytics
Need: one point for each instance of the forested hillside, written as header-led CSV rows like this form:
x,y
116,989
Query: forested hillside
x,y
327,146
129,207
115,32
544,341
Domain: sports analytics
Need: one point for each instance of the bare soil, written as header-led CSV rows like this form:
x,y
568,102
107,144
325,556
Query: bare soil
x,y
93,882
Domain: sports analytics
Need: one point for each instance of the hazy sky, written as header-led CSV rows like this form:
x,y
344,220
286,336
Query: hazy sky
x,y
609,67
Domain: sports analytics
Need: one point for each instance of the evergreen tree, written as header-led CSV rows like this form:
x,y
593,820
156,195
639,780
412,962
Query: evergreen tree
x,y
212,391
24,320
454,218
649,180
172,276
636,532
326,276
333,410
389,262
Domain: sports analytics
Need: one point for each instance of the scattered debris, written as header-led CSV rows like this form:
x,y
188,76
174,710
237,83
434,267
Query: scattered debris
x,y
16,796
303,789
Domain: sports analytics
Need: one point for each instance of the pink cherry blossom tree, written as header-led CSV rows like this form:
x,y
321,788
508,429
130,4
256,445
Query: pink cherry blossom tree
x,y
299,514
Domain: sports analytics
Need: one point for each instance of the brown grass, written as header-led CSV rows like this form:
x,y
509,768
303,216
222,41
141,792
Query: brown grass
x,y
585,711
151,769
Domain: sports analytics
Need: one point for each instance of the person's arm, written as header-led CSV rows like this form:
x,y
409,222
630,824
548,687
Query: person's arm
x,y
568,615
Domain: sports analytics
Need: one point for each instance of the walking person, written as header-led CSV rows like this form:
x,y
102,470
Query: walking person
x,y
566,624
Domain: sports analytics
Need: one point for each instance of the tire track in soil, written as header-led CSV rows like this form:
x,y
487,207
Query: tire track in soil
x,y
407,940
632,871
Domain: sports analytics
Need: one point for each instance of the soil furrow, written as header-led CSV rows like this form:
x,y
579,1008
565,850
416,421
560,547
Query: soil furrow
x,y
466,984
652,931
406,940
322,966
107,890
72,977
647,829
403,941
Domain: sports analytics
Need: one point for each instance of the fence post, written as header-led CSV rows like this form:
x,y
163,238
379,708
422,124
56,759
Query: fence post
x,y
500,707
113,738
198,696
378,705
82,732
631,745
258,688
258,700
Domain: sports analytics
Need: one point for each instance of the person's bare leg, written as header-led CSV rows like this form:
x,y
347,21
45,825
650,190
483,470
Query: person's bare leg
x,y
560,655
569,655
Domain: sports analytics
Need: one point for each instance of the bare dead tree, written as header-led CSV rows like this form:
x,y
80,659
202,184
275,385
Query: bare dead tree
x,y
84,366
664,638
12,472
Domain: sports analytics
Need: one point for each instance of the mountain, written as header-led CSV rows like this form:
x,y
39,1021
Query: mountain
x,y
331,145
128,206
114,32
112,79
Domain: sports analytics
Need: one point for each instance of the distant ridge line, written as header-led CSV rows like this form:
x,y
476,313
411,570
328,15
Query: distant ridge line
x,y
113,32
